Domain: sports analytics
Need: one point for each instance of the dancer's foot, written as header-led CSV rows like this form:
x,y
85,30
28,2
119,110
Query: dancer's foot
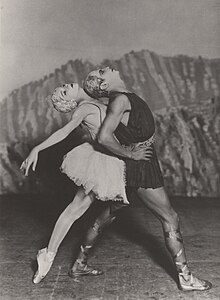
x,y
192,283
187,282
44,260
82,269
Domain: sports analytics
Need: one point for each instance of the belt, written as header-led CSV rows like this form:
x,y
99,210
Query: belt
x,y
146,143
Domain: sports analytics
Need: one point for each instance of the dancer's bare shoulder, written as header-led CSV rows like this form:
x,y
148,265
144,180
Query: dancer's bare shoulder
x,y
120,103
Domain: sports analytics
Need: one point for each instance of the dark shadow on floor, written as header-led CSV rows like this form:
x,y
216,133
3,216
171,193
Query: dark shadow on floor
x,y
131,228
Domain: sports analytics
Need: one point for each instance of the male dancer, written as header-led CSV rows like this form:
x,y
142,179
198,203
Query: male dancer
x,y
130,120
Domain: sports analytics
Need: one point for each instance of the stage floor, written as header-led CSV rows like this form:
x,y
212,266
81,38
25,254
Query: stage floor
x,y
131,252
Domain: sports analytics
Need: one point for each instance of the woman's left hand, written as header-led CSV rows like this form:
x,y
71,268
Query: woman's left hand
x,y
30,160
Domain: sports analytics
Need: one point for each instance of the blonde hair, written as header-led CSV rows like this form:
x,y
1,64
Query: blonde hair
x,y
61,104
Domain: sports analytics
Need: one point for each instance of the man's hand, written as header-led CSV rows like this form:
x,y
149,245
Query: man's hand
x,y
30,160
141,153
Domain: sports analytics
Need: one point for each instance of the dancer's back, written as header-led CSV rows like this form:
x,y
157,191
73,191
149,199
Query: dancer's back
x,y
94,120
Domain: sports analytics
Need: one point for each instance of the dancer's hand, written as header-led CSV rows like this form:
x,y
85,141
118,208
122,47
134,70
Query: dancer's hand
x,y
141,153
30,160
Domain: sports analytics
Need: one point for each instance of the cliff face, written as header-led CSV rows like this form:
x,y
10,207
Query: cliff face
x,y
182,91
188,148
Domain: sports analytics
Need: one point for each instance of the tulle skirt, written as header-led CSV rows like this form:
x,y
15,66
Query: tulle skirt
x,y
95,171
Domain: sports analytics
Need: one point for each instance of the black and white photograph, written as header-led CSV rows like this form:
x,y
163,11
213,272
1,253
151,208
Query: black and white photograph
x,y
110,150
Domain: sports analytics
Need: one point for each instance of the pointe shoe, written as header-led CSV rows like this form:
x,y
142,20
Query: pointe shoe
x,y
192,283
44,260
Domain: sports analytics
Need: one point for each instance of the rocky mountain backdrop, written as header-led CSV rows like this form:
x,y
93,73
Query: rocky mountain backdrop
x,y
182,91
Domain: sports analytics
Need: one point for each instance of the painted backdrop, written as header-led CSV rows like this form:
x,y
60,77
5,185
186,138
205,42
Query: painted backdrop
x,y
183,93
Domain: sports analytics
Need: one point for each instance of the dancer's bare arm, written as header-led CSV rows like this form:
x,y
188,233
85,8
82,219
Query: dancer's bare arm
x,y
78,116
106,135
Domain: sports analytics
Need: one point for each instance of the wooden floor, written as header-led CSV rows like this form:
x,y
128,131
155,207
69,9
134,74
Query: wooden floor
x,y
131,252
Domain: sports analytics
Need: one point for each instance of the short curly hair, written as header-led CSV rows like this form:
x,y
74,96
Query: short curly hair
x,y
62,105
92,87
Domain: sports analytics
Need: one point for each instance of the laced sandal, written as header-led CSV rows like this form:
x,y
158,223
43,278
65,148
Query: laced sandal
x,y
189,282
44,260
186,281
81,269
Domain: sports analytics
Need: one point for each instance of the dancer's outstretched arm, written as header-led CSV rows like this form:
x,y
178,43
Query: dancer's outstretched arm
x,y
77,117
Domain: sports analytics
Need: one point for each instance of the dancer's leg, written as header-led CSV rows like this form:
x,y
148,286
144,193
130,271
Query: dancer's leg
x,y
107,216
158,202
73,211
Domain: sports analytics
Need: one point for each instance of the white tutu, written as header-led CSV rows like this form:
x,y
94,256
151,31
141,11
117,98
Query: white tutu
x,y
97,172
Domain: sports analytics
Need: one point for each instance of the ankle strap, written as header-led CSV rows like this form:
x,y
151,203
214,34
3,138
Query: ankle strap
x,y
84,248
174,234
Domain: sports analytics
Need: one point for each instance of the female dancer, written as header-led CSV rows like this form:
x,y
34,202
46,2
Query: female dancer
x,y
97,174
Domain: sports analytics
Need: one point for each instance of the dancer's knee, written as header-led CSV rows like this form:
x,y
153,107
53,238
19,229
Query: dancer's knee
x,y
175,218
76,210
171,219
101,223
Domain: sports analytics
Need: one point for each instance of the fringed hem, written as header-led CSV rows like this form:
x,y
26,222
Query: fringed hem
x,y
144,174
90,187
124,176
96,171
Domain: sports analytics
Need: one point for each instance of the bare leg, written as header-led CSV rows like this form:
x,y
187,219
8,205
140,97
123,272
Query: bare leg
x,y
73,211
158,202
107,216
